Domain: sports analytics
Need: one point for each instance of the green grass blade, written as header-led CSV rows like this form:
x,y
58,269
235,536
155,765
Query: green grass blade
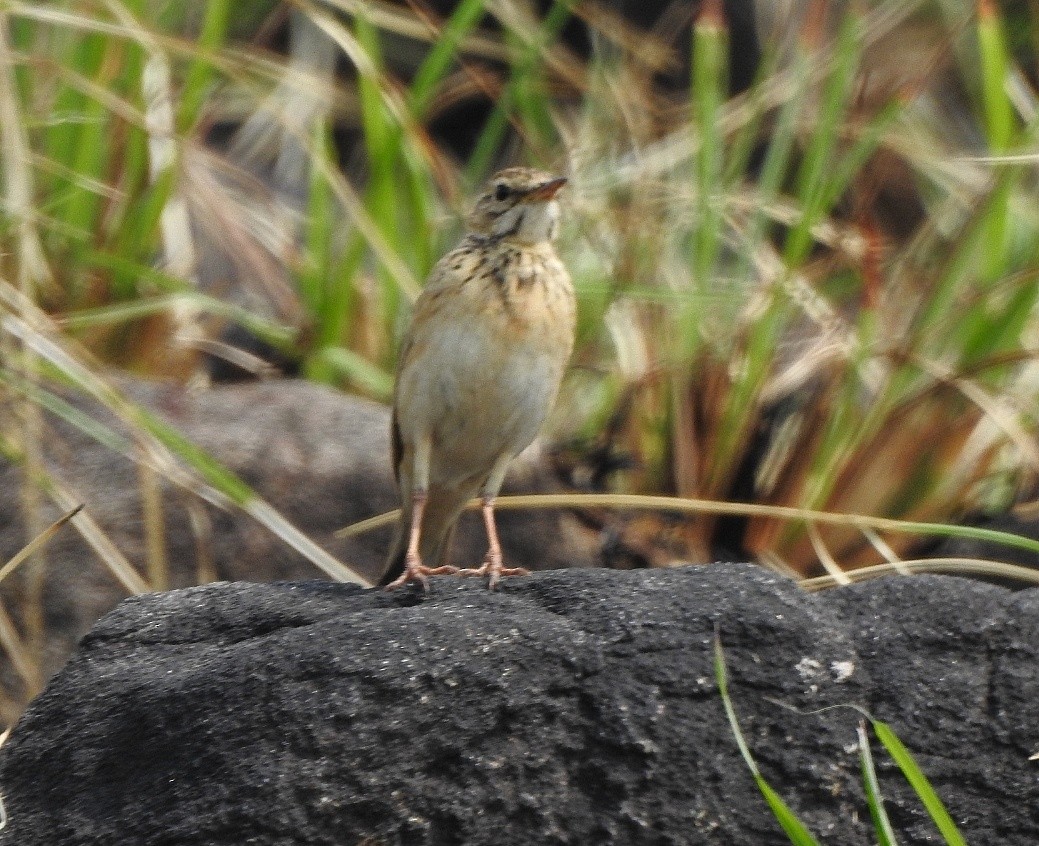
x,y
995,65
120,312
64,410
508,100
81,57
897,750
76,141
18,189
382,138
138,235
868,140
795,830
721,675
765,332
709,66
1000,327
443,54
818,158
881,823
201,73
999,124
358,371
214,473
488,144
277,335
317,236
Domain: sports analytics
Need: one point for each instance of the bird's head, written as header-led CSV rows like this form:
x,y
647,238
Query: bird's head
x,y
519,205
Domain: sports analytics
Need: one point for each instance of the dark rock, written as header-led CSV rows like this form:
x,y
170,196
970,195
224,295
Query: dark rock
x,y
318,456
955,669
569,707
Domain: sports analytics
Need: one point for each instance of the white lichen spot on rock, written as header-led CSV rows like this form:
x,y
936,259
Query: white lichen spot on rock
x,y
842,670
808,668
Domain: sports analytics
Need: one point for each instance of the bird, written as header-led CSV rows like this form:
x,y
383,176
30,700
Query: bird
x,y
478,371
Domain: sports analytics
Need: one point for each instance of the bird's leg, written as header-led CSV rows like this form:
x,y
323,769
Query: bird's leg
x,y
414,569
493,565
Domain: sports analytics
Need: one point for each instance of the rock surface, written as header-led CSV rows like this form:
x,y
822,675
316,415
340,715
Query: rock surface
x,y
318,456
572,707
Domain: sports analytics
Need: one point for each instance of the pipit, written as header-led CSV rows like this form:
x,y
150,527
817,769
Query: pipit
x,y
478,371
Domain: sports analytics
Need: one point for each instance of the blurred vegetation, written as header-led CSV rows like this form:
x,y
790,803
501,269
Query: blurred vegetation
x,y
818,292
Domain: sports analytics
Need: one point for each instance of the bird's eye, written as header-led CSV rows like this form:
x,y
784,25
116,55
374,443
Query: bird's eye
x,y
501,191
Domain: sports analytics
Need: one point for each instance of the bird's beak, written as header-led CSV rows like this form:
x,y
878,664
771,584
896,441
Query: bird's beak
x,y
544,191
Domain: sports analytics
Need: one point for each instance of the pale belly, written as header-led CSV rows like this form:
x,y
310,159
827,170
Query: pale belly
x,y
478,396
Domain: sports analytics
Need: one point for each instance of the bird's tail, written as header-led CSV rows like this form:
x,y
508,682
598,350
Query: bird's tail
x,y
443,508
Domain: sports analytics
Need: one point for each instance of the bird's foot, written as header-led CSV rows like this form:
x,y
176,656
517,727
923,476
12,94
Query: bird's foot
x,y
494,569
416,571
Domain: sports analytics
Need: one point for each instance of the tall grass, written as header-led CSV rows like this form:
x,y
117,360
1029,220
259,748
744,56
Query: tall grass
x,y
754,322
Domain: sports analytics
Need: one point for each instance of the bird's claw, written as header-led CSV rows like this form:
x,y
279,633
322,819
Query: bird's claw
x,y
416,571
494,569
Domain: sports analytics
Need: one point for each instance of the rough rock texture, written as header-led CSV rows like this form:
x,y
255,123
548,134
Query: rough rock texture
x,y
320,457
573,707
955,669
